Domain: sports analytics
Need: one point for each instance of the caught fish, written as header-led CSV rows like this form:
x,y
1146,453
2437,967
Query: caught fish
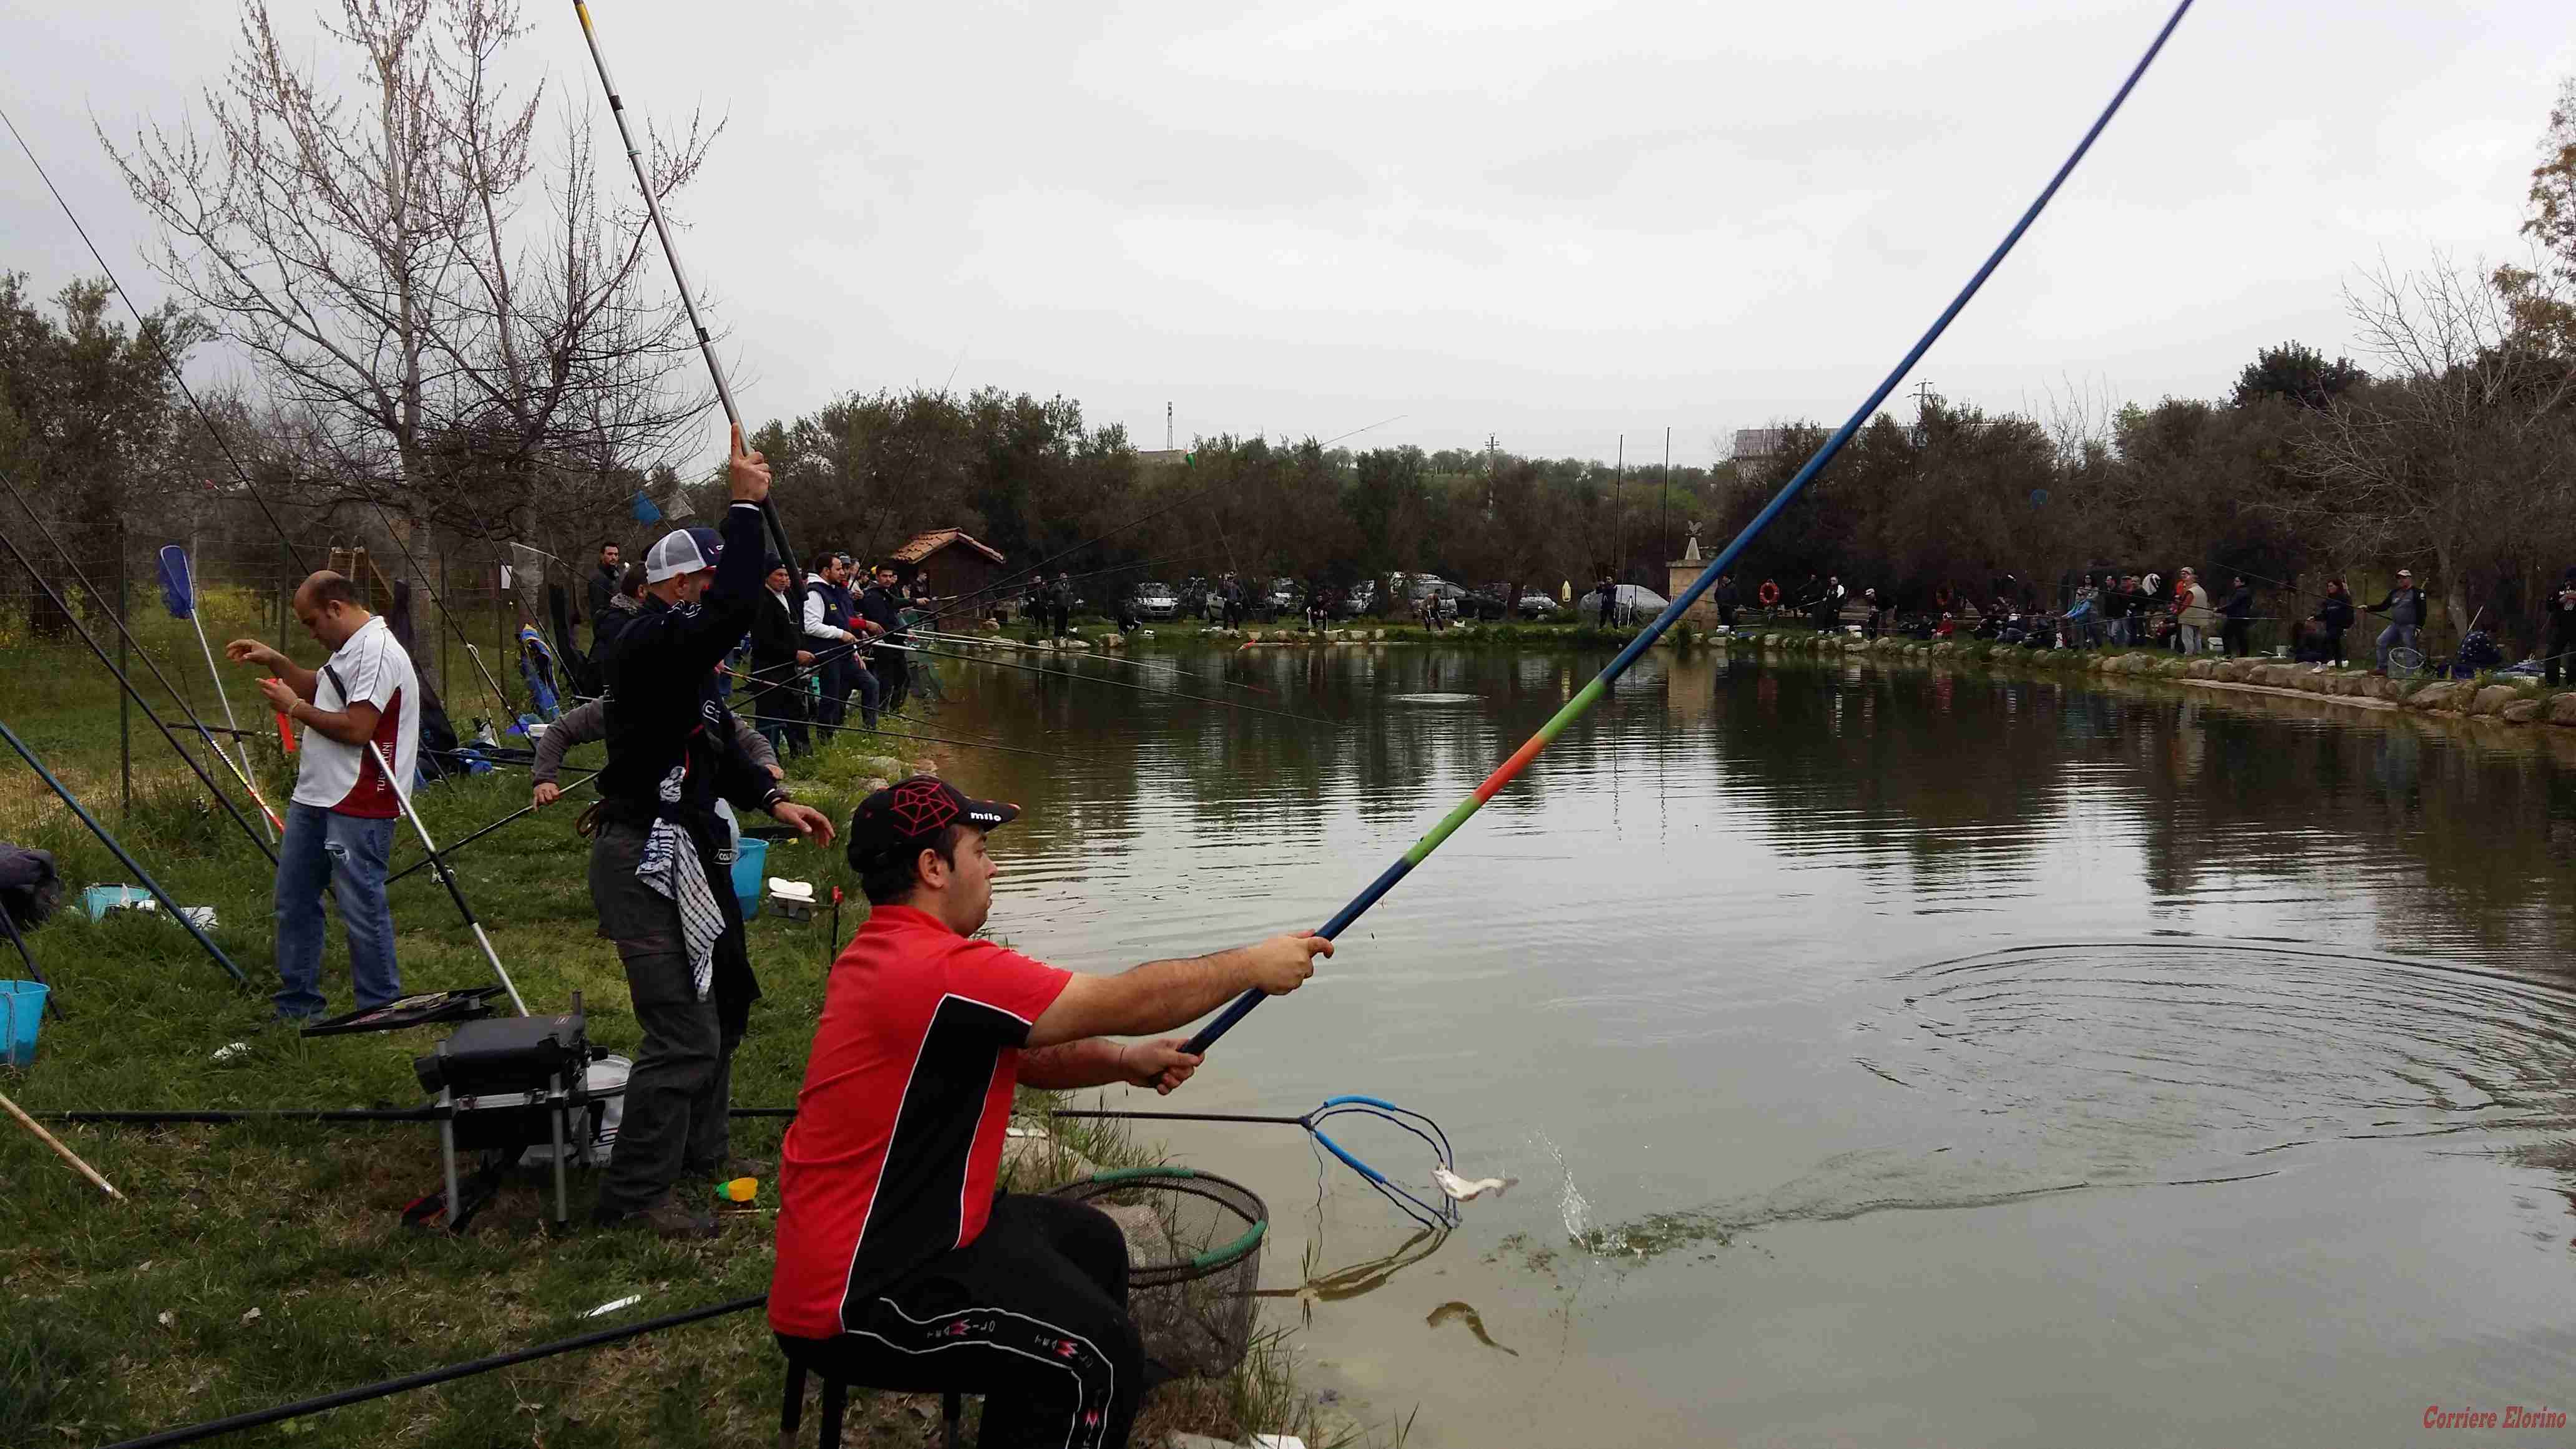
x,y
1464,1190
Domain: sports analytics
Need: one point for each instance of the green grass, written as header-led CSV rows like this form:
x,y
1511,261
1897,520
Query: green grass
x,y
258,1263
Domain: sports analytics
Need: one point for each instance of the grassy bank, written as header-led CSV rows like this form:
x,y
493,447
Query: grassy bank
x,y
259,1263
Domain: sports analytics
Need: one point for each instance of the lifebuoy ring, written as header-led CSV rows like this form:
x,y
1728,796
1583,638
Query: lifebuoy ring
x,y
1770,593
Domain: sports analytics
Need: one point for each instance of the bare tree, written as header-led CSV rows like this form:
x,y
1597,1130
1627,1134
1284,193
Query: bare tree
x,y
2459,460
461,326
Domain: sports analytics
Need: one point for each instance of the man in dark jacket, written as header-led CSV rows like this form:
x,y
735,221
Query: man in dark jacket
x,y
2237,610
778,667
660,860
2334,614
2113,603
881,606
604,586
2404,609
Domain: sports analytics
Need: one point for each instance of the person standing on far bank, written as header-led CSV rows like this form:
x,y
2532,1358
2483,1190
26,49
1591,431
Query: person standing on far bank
x,y
2404,610
2192,603
2237,610
2334,612
340,826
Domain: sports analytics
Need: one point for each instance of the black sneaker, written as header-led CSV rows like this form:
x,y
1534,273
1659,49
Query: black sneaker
x,y
667,1219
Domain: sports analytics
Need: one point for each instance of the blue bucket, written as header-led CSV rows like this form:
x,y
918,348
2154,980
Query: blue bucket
x,y
22,1010
750,862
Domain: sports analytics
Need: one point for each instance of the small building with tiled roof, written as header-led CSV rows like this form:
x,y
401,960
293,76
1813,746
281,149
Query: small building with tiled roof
x,y
949,561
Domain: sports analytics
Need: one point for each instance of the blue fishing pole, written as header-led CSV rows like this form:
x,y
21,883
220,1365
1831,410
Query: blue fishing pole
x,y
1592,693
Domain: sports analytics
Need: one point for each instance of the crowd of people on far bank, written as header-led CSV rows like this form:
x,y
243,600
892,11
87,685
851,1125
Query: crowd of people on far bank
x,y
2123,611
852,639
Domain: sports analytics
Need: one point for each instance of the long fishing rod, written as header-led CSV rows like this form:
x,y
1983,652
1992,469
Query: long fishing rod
x,y
136,694
1593,692
1121,684
187,594
689,302
887,735
119,851
241,474
461,842
989,642
446,877
141,330
830,653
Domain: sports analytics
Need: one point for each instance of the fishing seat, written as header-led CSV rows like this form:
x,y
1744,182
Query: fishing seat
x,y
791,1412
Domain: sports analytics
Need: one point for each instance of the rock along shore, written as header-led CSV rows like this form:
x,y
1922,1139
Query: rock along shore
x,y
2516,702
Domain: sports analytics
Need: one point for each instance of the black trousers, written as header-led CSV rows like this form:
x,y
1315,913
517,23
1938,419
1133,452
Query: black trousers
x,y
2235,632
894,680
1032,1315
837,677
2557,646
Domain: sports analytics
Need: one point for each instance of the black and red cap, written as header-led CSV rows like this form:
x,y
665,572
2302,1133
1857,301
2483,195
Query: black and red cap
x,y
909,814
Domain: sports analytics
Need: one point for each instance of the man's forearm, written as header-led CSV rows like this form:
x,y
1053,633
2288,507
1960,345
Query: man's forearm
x,y
1091,1062
336,725
1170,994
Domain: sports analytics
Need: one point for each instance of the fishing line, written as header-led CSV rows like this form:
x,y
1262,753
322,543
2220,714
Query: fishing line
x,y
134,692
241,474
689,302
962,600
990,642
140,874
1121,684
461,842
1591,693
889,735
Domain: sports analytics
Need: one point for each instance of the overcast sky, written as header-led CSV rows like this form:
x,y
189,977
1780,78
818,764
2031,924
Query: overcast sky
x,y
1552,222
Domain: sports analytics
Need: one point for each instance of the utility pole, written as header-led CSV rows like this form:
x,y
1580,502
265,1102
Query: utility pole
x,y
1664,498
1167,427
1618,537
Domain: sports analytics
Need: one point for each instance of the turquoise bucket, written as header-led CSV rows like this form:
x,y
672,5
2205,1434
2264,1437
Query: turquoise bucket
x,y
750,862
22,1010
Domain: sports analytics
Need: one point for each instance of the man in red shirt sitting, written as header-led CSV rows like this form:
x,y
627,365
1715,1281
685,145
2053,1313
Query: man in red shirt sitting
x,y
898,1265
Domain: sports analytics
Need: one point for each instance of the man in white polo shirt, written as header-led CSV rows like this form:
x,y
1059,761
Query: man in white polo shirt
x,y
340,827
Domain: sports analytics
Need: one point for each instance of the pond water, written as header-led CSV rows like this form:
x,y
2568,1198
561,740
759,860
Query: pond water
x,y
1885,1057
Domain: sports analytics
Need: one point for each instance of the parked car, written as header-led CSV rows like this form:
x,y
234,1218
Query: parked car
x,y
1486,603
1360,598
1637,604
1535,605
1285,596
1155,601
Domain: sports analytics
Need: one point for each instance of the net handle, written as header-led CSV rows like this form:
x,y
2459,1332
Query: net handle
x,y
1235,1251
1213,1258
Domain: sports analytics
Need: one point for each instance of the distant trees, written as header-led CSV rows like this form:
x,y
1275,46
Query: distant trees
x,y
2295,372
89,431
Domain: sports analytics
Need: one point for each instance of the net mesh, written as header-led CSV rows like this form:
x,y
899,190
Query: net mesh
x,y
1194,1261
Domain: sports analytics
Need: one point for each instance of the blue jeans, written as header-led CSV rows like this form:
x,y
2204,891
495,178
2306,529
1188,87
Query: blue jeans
x,y
2395,636
346,854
